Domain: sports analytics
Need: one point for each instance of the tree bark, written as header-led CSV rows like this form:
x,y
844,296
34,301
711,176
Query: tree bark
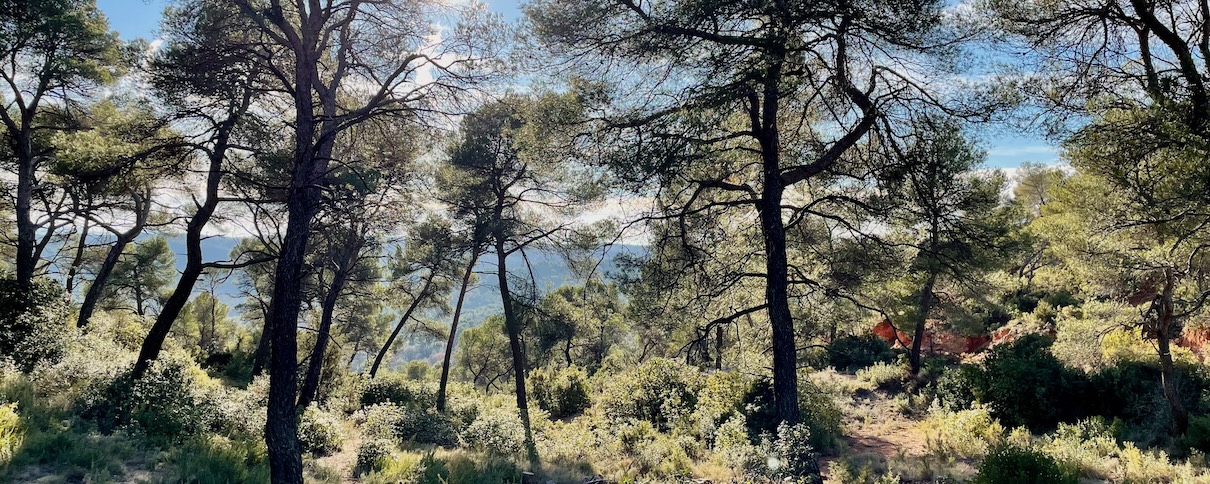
x,y
142,210
154,342
513,325
26,229
310,385
1168,372
77,260
449,343
407,314
926,305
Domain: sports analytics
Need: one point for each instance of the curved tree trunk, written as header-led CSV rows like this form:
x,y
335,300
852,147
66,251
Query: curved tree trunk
x,y
310,386
1168,373
154,342
449,343
142,210
512,323
407,314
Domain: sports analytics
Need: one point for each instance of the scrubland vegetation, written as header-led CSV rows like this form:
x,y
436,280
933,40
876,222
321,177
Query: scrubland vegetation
x,y
401,241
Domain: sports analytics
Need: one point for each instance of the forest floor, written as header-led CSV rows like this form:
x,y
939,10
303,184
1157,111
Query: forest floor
x,y
880,437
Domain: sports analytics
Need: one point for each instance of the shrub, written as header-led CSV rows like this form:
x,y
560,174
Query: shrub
x,y
964,433
168,403
11,433
497,432
1088,446
32,322
372,454
1008,464
1198,434
1023,384
721,398
660,391
399,391
562,393
884,376
791,455
850,353
319,431
218,460
402,425
956,387
650,451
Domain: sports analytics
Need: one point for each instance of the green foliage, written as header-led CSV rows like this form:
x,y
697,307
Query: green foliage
x,y
372,454
790,455
12,432
319,431
562,393
660,391
964,433
409,425
496,432
169,403
32,322
955,388
399,391
1008,464
854,352
1024,384
884,376
216,460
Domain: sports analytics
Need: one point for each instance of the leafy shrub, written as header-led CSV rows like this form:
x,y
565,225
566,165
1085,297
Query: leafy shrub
x,y
660,391
319,431
1008,464
169,403
1087,446
402,425
721,398
372,454
884,376
956,387
853,352
791,455
241,413
652,452
819,412
562,393
33,324
217,460
1197,436
11,433
399,391
1023,384
496,432
964,433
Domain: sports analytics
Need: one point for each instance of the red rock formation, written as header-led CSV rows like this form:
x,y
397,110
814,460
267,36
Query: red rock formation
x,y
935,340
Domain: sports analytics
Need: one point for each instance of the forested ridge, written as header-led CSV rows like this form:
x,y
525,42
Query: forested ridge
x,y
606,241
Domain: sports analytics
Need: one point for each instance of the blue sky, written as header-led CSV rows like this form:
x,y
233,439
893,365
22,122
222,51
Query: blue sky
x,y
140,18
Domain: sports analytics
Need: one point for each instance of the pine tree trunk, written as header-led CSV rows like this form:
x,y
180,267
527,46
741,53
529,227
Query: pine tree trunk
x,y
407,314
513,325
449,343
926,305
26,229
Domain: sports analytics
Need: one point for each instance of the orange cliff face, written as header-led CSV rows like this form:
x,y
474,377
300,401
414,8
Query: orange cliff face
x,y
935,339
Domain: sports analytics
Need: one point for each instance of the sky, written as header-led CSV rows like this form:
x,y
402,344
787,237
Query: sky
x,y
140,18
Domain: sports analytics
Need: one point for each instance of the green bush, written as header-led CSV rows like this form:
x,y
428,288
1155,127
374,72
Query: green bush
x,y
33,326
372,454
404,425
789,456
1197,436
399,391
319,431
853,352
660,391
562,393
11,432
497,432
1008,464
818,410
170,403
884,376
956,387
217,460
1023,384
